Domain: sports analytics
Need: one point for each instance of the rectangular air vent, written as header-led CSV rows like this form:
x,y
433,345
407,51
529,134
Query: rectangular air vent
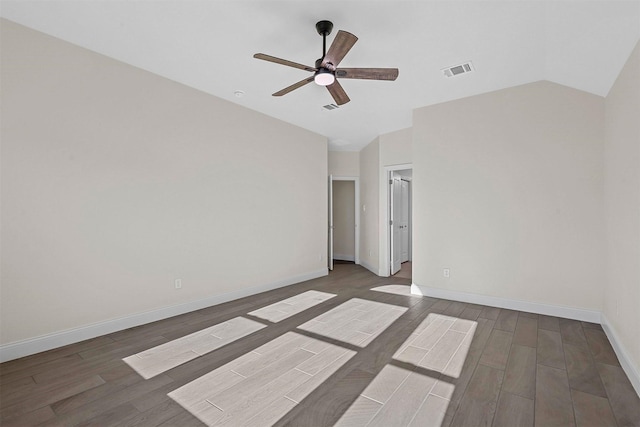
x,y
467,67
330,106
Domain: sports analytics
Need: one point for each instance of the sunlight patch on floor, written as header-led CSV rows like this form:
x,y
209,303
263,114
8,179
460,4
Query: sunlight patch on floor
x,y
261,386
164,357
404,290
440,343
357,321
417,390
398,396
288,307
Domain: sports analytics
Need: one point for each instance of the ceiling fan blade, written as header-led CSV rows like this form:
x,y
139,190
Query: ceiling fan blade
x,y
338,93
368,73
343,42
294,86
284,62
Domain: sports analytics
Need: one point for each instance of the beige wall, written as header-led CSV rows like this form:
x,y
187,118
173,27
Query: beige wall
x,y
622,208
395,147
508,194
116,182
344,163
344,220
369,205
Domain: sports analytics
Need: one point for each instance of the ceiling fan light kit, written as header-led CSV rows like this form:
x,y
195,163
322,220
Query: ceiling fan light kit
x,y
325,72
324,77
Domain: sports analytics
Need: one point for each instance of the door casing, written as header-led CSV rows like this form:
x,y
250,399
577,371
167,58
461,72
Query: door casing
x,y
385,244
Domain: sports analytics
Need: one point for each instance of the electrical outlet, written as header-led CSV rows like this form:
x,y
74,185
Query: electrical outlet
x,y
446,273
178,283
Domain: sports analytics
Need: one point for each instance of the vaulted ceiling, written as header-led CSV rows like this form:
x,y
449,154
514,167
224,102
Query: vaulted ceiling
x,y
209,45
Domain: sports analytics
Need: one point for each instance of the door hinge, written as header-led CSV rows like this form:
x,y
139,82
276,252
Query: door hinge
x,y
390,182
391,222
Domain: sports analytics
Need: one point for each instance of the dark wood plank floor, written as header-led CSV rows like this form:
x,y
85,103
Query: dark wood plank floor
x,y
520,368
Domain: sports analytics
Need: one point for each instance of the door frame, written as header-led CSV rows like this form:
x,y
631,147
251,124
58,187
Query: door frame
x,y
356,188
409,181
385,247
395,198
330,227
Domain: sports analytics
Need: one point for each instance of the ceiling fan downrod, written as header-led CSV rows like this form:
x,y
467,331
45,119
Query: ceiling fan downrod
x,y
324,29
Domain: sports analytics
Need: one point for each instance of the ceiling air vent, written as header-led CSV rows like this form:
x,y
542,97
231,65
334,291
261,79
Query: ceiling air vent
x,y
330,106
467,67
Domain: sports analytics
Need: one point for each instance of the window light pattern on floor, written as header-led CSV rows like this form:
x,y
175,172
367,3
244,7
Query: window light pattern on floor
x,y
157,360
440,343
397,397
288,307
404,290
419,392
356,321
261,386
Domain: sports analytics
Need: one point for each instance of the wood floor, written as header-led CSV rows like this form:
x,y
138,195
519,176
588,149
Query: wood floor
x,y
406,271
347,349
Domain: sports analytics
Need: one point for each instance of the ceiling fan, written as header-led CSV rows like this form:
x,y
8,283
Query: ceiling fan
x,y
325,72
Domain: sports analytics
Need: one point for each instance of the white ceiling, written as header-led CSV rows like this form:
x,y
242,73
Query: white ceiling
x,y
209,45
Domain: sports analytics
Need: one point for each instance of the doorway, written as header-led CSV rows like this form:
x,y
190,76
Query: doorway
x,y
400,224
344,218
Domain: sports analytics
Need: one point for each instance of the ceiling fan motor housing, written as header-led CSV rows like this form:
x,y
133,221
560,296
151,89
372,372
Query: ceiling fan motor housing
x,y
319,64
324,27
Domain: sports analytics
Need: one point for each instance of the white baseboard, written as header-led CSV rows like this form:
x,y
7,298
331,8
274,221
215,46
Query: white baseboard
x,y
623,355
512,304
341,257
58,339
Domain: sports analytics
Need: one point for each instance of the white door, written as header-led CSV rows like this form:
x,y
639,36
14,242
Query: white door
x,y
330,231
404,221
395,215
